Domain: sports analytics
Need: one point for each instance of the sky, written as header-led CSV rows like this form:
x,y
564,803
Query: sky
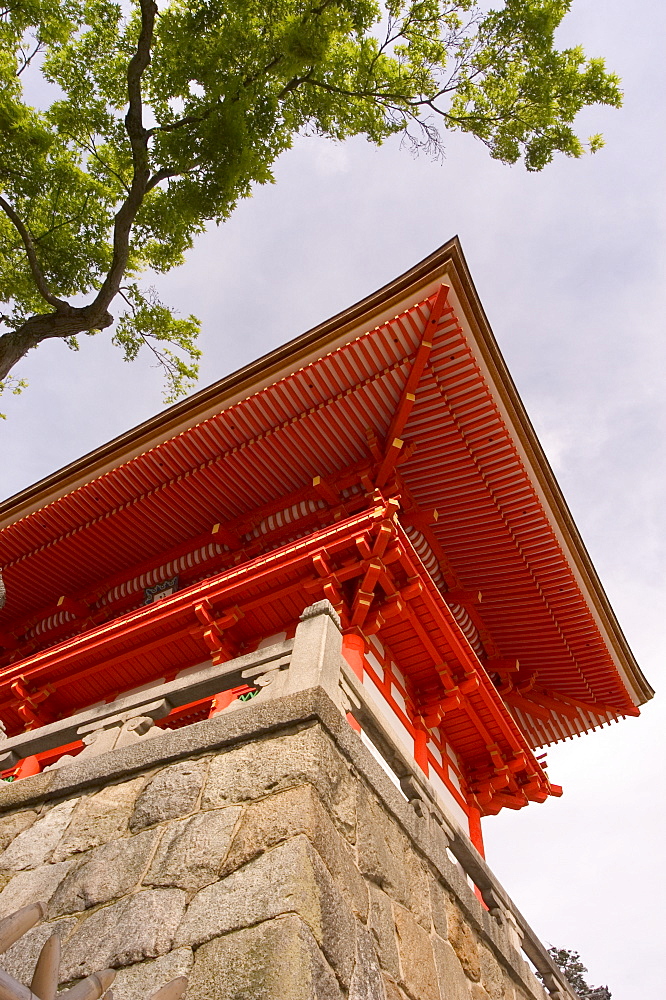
x,y
570,267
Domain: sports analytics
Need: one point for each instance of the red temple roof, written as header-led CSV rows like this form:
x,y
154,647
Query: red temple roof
x,y
405,394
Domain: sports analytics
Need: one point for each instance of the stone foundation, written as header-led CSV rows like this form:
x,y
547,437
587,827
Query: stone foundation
x,y
263,853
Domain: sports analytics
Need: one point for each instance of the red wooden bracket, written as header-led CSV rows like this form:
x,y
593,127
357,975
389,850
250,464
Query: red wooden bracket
x,y
408,398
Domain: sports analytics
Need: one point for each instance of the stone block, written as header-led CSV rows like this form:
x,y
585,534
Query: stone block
x,y
149,923
13,824
289,879
20,960
438,905
138,982
392,990
381,848
191,851
418,887
278,817
491,974
366,982
453,983
382,927
36,843
477,992
35,885
419,976
143,926
463,939
308,756
170,794
509,989
99,818
105,873
276,960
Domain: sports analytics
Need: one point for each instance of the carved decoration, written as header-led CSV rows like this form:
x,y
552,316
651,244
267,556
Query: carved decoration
x,y
161,590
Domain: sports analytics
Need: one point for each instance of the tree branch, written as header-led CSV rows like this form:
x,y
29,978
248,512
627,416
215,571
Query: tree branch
x,y
207,112
27,59
180,123
167,172
68,320
138,137
92,149
35,267
294,84
57,325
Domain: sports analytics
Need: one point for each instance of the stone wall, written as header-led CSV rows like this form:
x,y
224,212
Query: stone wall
x,y
265,854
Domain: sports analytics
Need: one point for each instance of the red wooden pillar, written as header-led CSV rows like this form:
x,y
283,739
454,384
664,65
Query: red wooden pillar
x,y
475,834
27,767
421,746
353,648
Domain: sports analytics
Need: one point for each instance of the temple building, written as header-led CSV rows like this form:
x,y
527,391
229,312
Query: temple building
x,y
365,512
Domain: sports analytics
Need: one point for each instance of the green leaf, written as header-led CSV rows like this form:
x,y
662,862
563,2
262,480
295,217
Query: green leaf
x,y
148,324
226,90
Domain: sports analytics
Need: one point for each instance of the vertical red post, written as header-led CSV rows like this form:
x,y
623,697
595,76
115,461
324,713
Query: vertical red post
x,y
356,726
222,701
475,834
27,767
421,747
353,648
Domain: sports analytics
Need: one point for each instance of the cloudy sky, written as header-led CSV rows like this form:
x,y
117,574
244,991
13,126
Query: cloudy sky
x,y
570,267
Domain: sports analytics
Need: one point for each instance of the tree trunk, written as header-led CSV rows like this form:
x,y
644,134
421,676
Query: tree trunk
x,y
48,326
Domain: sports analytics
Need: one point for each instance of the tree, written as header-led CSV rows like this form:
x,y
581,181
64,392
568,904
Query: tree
x,y
574,971
154,119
